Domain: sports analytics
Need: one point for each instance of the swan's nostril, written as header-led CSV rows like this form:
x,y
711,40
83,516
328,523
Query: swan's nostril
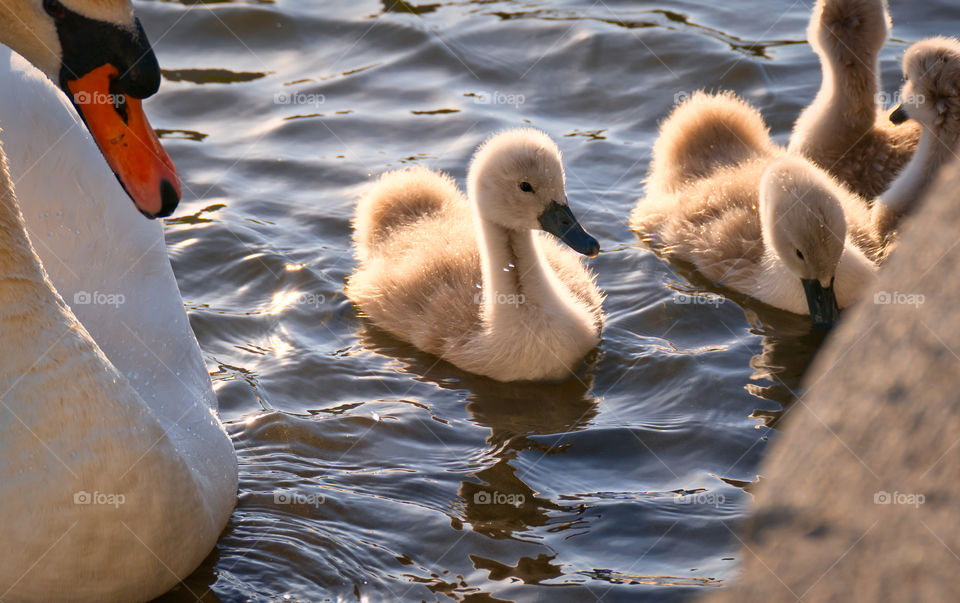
x,y
119,99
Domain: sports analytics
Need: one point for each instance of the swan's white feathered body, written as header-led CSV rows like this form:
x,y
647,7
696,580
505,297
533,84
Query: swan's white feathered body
x,y
108,396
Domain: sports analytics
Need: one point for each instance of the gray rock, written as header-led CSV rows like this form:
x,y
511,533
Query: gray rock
x,y
863,491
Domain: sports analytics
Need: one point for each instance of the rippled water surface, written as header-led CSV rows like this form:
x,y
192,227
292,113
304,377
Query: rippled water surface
x,y
366,465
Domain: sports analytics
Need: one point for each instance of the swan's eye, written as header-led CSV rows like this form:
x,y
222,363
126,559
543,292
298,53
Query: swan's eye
x,y
800,255
526,187
55,9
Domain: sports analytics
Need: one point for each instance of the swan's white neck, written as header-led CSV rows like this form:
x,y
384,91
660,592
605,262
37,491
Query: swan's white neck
x,y
34,40
533,327
850,88
26,297
106,261
73,425
933,150
855,273
846,102
152,436
514,274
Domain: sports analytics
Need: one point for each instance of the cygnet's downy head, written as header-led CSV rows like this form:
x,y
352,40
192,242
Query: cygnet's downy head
x,y
516,179
804,223
849,32
931,91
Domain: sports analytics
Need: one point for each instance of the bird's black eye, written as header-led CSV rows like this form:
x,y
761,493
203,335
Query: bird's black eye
x,y
55,9
800,255
526,187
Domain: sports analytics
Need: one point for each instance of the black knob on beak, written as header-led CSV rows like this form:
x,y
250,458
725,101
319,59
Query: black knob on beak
x,y
138,66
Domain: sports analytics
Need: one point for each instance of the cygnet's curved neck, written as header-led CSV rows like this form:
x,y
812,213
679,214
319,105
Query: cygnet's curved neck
x,y
845,105
934,149
515,274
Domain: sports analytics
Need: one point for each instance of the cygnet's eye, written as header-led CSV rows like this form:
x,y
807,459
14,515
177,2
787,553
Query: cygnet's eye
x,y
526,187
54,9
800,255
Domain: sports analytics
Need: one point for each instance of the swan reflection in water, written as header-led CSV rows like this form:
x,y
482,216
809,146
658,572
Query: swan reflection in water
x,y
497,501
788,347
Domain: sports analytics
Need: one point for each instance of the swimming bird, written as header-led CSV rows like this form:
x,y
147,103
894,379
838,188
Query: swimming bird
x,y
108,418
931,96
846,130
475,280
749,216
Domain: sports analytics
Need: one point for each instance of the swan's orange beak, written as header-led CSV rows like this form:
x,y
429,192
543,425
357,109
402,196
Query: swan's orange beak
x,y
128,143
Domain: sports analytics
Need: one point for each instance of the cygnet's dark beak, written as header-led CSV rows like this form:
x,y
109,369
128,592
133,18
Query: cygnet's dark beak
x,y
822,301
899,115
559,221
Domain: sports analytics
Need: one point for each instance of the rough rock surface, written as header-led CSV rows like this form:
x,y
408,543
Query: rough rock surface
x,y
861,500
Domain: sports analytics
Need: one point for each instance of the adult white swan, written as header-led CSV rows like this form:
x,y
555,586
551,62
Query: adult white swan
x,y
116,477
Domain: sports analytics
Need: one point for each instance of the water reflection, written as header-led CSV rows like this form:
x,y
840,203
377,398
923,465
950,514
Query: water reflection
x,y
789,344
527,569
667,19
498,503
782,364
400,6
